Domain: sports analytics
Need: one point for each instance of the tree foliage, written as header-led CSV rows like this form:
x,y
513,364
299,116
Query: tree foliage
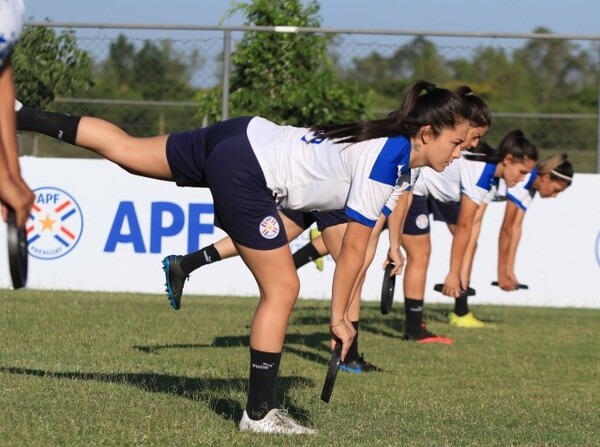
x,y
47,64
286,77
146,71
540,76
155,71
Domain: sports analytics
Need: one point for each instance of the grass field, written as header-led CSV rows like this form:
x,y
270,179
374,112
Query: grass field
x,y
89,369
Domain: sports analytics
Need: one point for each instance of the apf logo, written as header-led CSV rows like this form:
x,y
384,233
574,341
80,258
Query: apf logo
x,y
55,224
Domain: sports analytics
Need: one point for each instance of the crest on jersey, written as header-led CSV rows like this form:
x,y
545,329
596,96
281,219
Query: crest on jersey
x,y
269,227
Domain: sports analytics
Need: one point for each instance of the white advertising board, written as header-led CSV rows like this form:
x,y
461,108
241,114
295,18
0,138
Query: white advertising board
x,y
95,227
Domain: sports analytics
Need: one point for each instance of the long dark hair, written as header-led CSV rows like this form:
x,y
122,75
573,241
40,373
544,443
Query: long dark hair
x,y
437,107
481,116
514,143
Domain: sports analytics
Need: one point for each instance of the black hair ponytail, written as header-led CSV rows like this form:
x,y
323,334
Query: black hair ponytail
x,y
423,104
514,143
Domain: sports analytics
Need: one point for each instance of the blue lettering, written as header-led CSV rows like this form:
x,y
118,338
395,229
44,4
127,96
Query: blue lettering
x,y
157,230
315,138
48,198
196,228
126,219
125,213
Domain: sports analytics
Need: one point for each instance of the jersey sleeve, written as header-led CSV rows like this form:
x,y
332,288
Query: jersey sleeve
x,y
522,193
404,183
378,180
367,197
12,15
476,180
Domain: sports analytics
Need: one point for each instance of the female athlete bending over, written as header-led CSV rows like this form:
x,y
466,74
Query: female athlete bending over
x,y
253,167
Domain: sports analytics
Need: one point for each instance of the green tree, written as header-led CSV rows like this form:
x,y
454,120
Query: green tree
x,y
157,71
286,77
389,76
557,68
152,71
46,65
119,63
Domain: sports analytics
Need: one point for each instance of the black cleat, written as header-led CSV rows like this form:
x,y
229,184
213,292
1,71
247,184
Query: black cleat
x,y
359,366
174,279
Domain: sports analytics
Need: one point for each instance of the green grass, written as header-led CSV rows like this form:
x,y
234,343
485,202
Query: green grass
x,y
88,369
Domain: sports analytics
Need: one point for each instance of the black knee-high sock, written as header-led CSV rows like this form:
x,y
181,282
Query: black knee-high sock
x,y
414,315
56,125
197,259
261,386
353,351
305,255
461,306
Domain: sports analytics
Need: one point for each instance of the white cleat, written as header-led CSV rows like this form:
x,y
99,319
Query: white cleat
x,y
276,421
18,105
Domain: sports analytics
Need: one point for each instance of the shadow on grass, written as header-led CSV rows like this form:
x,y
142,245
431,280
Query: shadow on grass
x,y
313,347
383,326
372,320
212,391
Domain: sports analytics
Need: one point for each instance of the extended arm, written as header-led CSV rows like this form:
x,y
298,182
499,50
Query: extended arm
x,y
395,226
467,265
462,234
347,270
13,190
510,235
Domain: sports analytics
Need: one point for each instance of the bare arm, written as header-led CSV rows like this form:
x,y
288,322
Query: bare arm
x,y
13,190
354,304
467,266
462,234
510,235
8,128
347,270
395,227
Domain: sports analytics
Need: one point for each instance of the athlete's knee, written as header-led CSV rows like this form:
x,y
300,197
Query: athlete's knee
x,y
284,288
418,255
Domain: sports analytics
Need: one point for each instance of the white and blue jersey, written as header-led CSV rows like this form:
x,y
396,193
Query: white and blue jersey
x,y
475,179
12,14
254,167
439,193
522,193
309,173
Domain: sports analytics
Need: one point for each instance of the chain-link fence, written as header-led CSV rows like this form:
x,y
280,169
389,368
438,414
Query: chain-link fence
x,y
203,53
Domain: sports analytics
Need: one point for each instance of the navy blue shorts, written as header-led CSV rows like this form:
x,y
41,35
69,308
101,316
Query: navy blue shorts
x,y
417,217
324,219
221,158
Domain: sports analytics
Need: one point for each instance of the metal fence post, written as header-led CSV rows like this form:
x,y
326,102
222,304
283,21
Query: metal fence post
x,y
226,71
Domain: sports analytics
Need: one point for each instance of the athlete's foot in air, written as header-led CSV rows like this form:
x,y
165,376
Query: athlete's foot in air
x,y
174,279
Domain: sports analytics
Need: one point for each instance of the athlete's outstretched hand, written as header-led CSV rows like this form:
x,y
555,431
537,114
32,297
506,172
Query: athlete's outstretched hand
x,y
343,332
